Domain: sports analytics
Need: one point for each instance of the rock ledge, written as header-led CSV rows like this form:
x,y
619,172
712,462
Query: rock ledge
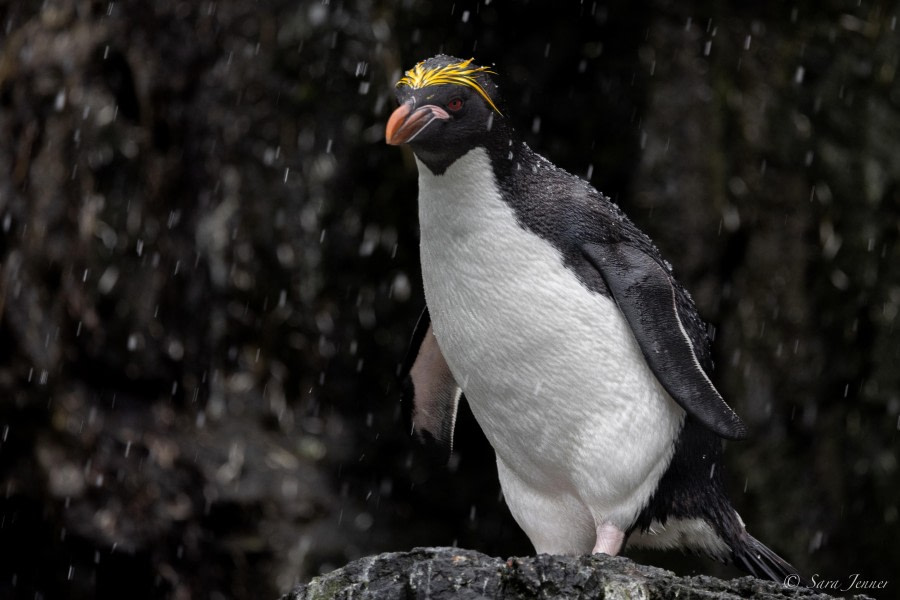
x,y
437,573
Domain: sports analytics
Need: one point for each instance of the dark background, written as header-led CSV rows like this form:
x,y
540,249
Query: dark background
x,y
208,272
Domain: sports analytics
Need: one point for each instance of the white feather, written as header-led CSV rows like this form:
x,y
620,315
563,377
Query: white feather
x,y
582,429
693,534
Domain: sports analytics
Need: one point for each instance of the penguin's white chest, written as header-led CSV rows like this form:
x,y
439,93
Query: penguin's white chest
x,y
551,370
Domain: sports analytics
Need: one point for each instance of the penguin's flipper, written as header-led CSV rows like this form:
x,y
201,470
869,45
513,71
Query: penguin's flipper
x,y
660,313
430,391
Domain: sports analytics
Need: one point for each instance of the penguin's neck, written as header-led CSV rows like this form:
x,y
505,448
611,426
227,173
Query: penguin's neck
x,y
508,154
462,201
469,194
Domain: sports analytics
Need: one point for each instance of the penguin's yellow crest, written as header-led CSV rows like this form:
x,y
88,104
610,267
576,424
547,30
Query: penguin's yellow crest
x,y
455,73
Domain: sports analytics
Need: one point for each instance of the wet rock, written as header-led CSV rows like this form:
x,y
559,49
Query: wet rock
x,y
455,573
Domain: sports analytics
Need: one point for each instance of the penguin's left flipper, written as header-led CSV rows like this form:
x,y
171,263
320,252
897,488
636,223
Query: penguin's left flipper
x,y
430,391
660,315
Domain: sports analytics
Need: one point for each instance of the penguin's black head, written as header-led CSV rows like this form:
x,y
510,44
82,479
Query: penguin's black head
x,y
447,107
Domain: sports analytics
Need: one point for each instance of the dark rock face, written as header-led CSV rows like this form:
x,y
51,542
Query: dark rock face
x,y
460,574
209,271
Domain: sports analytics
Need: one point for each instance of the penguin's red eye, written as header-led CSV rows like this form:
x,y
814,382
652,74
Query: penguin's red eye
x,y
455,104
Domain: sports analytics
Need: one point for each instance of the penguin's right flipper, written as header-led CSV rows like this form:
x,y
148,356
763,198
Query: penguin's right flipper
x,y
430,390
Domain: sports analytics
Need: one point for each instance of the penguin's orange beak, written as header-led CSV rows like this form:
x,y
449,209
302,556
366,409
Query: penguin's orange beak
x,y
405,123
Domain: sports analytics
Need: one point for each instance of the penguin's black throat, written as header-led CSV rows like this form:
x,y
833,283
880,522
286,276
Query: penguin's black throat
x,y
439,153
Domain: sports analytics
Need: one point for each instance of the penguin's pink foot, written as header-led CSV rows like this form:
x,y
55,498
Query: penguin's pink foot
x,y
609,539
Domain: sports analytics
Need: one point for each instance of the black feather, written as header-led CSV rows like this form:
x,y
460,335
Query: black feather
x,y
759,560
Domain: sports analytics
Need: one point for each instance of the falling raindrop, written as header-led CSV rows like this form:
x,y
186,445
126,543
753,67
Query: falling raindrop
x,y
816,542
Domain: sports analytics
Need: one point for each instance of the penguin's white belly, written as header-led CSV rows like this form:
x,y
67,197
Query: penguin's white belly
x,y
582,429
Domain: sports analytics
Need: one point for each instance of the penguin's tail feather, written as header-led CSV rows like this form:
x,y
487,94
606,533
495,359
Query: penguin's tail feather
x,y
759,560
